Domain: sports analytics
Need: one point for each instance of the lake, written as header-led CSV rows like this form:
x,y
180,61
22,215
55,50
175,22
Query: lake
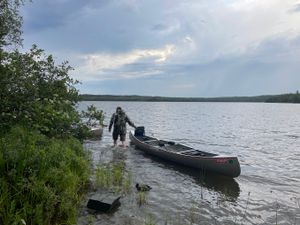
x,y
265,137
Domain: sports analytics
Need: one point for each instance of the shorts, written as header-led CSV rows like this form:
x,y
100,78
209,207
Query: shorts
x,y
116,133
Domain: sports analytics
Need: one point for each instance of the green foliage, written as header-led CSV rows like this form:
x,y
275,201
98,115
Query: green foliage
x,y
94,116
43,169
40,178
38,94
10,22
150,221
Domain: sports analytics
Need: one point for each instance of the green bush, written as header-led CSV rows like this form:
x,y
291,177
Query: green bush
x,y
40,95
43,168
37,93
41,179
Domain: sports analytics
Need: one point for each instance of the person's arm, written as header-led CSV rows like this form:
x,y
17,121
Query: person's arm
x,y
130,122
111,122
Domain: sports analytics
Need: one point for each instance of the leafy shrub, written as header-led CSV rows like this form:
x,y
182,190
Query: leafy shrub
x,y
37,93
93,115
41,179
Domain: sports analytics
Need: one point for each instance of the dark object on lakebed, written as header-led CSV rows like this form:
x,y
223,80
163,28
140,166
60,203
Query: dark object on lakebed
x,y
106,205
181,154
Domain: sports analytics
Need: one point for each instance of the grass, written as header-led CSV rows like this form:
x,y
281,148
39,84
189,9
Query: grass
x,y
114,177
297,202
141,198
193,215
41,179
149,221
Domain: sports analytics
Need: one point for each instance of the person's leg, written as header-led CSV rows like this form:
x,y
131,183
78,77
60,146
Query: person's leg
x,y
115,137
122,138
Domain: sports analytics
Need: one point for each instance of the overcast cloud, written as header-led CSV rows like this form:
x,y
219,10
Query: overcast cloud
x,y
202,48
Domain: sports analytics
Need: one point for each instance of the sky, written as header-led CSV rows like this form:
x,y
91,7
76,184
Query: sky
x,y
182,48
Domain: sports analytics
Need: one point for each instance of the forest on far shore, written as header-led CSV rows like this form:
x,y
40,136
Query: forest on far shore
x,y
283,98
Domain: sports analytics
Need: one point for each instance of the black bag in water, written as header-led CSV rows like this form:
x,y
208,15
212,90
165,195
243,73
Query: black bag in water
x,y
139,131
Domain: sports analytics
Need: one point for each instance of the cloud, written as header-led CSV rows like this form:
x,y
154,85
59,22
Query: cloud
x,y
183,86
295,8
254,72
217,45
233,28
43,14
159,27
96,65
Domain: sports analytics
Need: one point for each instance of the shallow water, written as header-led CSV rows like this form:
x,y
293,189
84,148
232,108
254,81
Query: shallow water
x,y
265,137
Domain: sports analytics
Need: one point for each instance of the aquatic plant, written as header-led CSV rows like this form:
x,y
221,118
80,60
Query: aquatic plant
x,y
118,170
90,219
102,176
193,215
141,198
149,220
127,182
245,211
114,177
276,215
296,200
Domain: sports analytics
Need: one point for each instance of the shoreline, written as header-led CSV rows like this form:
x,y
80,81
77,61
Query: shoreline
x,y
283,98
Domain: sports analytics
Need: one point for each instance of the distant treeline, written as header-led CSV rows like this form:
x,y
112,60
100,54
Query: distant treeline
x,y
290,98
287,98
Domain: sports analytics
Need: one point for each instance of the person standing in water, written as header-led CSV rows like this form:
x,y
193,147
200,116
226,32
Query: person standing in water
x,y
118,121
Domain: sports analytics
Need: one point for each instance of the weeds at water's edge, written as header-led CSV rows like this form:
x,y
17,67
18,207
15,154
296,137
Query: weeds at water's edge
x,y
296,200
149,221
141,198
90,220
114,177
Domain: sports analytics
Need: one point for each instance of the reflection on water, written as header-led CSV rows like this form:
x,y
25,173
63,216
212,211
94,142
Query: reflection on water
x,y
265,137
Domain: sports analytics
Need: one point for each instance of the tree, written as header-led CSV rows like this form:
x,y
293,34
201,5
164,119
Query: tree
x,y
10,22
41,178
37,94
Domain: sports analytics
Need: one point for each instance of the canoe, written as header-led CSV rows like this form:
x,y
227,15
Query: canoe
x,y
96,132
187,156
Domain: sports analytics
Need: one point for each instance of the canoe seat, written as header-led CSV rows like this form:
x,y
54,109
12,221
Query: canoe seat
x,y
187,151
149,141
193,152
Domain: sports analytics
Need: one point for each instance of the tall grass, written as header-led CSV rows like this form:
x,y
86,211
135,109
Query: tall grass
x,y
149,221
114,177
141,198
41,179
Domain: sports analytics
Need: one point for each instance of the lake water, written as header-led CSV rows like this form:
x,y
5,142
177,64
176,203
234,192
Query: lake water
x,y
265,137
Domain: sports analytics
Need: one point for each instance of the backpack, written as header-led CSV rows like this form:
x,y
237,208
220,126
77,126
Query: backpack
x,y
120,120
